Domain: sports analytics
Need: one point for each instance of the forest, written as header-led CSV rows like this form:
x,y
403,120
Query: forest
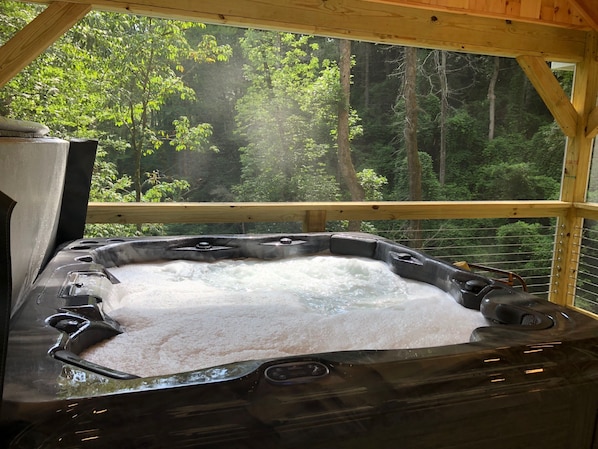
x,y
191,112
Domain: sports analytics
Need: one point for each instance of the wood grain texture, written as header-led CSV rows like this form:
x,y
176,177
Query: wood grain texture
x,y
588,211
592,126
588,10
297,212
561,13
578,153
551,92
393,22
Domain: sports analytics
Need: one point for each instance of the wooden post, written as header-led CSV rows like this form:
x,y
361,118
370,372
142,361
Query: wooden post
x,y
592,128
37,36
315,221
551,92
578,157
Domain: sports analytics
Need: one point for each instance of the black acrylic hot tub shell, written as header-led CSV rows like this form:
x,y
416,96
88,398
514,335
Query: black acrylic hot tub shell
x,y
528,380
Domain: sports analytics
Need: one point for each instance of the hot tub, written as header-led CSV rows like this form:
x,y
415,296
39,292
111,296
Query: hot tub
x,y
526,378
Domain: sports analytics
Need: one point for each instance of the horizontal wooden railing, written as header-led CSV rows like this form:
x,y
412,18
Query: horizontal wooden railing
x,y
586,210
314,215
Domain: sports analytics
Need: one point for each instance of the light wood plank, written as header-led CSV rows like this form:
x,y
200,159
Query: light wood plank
x,y
37,36
592,126
314,221
496,6
551,92
562,11
578,153
531,9
369,20
297,212
586,210
513,9
548,12
588,10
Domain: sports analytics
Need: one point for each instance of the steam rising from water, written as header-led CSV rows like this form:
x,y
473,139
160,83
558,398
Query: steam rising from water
x,y
179,316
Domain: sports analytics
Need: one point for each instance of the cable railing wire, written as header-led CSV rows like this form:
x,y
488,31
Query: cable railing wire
x,y
586,282
528,255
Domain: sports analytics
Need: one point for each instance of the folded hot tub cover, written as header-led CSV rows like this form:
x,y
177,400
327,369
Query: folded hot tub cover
x,y
21,128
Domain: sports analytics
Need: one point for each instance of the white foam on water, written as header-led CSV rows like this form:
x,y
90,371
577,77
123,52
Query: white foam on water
x,y
180,316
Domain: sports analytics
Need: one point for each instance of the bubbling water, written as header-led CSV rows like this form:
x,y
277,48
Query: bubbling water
x,y
180,316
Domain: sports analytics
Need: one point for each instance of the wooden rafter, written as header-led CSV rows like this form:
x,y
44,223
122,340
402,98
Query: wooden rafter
x,y
588,10
561,13
551,92
374,22
37,36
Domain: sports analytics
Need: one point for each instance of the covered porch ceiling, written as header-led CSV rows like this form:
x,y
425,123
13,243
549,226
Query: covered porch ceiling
x,y
555,30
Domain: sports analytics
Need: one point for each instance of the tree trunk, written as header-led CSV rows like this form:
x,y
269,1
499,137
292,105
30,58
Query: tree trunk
x,y
139,143
440,57
366,81
413,163
137,176
137,151
492,98
345,163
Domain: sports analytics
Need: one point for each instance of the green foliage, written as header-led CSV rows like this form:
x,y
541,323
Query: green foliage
x,y
161,190
428,131
547,149
372,184
465,157
529,242
515,181
106,183
145,59
505,148
288,117
108,186
192,138
431,189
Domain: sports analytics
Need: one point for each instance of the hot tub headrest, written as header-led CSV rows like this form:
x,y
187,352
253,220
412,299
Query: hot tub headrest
x,y
504,307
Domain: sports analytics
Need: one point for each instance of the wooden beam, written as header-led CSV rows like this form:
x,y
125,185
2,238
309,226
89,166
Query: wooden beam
x,y
129,213
37,36
578,153
592,126
374,22
586,210
588,10
551,92
314,221
547,12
